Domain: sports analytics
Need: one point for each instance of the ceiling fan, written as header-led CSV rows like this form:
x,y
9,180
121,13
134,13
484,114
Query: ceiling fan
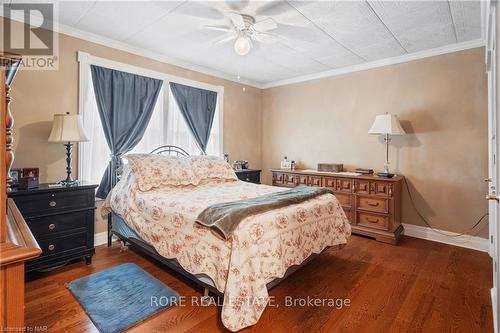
x,y
244,30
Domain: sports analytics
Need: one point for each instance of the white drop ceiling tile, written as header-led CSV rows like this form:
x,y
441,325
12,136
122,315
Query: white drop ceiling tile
x,y
298,61
337,61
467,19
120,19
253,68
418,25
70,12
353,24
381,50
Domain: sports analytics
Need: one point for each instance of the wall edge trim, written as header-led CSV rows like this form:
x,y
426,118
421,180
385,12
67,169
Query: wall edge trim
x,y
467,241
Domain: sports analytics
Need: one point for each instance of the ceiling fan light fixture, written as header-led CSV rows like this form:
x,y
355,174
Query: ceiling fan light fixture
x,y
242,45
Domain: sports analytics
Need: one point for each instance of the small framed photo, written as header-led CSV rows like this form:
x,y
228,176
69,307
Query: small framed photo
x,y
30,172
15,174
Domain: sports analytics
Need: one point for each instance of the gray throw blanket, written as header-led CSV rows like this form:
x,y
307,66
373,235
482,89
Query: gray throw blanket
x,y
225,217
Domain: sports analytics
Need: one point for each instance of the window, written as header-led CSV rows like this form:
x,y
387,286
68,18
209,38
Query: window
x,y
166,126
179,134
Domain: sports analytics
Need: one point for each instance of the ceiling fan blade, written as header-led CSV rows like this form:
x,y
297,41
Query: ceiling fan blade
x,y
237,20
264,38
264,25
224,28
226,38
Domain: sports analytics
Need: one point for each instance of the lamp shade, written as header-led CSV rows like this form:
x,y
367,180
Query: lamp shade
x,y
67,128
386,124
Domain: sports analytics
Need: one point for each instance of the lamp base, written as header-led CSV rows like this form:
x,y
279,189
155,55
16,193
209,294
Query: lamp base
x,y
385,174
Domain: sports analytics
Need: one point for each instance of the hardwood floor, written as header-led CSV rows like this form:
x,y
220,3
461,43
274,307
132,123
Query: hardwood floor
x,y
417,286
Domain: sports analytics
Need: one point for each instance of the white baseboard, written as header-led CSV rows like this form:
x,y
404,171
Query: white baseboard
x,y
494,308
101,238
470,242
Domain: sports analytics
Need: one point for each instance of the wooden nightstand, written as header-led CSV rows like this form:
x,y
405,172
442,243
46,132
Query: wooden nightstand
x,y
248,175
61,220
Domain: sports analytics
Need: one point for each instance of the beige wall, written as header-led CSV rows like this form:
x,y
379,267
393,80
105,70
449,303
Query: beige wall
x,y
37,95
442,102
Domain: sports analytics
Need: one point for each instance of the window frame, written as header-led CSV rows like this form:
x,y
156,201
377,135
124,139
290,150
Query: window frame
x,y
85,60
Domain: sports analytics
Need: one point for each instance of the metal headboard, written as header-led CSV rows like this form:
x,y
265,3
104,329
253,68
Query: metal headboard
x,y
170,150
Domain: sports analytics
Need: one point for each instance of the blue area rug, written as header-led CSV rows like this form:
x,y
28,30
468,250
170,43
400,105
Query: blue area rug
x,y
120,297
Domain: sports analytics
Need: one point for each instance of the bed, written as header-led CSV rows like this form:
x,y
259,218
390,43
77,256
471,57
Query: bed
x,y
264,249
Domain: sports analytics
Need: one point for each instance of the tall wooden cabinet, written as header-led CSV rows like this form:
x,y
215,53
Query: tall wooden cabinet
x,y
372,204
17,244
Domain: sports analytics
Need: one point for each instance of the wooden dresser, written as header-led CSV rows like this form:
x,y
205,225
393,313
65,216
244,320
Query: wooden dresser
x,y
61,220
371,203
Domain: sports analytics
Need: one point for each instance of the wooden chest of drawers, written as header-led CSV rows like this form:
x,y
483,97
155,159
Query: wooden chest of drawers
x,y
61,220
372,204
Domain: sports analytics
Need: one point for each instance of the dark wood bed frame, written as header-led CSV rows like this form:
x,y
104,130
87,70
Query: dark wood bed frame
x,y
171,263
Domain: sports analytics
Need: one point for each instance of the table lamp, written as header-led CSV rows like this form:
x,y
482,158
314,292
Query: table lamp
x,y
67,129
386,125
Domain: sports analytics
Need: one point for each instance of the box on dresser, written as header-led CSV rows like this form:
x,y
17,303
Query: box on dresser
x,y
371,203
61,220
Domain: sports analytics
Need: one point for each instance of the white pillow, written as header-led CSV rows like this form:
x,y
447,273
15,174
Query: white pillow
x,y
153,170
208,168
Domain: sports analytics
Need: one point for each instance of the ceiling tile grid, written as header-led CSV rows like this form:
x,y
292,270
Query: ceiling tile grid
x,y
311,36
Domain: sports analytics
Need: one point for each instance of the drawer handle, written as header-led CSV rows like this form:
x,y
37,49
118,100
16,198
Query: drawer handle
x,y
373,204
52,204
372,221
52,226
51,247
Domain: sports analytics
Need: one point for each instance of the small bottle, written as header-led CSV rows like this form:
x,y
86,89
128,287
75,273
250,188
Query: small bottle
x,y
284,163
292,165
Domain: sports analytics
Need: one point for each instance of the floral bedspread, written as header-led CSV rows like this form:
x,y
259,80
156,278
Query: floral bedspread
x,y
261,249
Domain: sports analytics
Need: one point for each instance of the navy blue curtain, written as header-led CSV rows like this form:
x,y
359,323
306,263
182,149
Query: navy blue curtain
x,y
125,102
198,109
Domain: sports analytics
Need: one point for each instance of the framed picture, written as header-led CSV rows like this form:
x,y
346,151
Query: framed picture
x,y
30,172
15,174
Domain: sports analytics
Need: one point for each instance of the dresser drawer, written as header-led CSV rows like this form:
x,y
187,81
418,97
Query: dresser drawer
x,y
301,180
60,244
251,177
330,182
344,185
373,204
278,178
362,186
290,180
49,225
372,220
314,181
379,188
50,202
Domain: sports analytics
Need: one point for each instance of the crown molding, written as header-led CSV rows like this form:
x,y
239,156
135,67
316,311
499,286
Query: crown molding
x,y
380,63
122,46
108,42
